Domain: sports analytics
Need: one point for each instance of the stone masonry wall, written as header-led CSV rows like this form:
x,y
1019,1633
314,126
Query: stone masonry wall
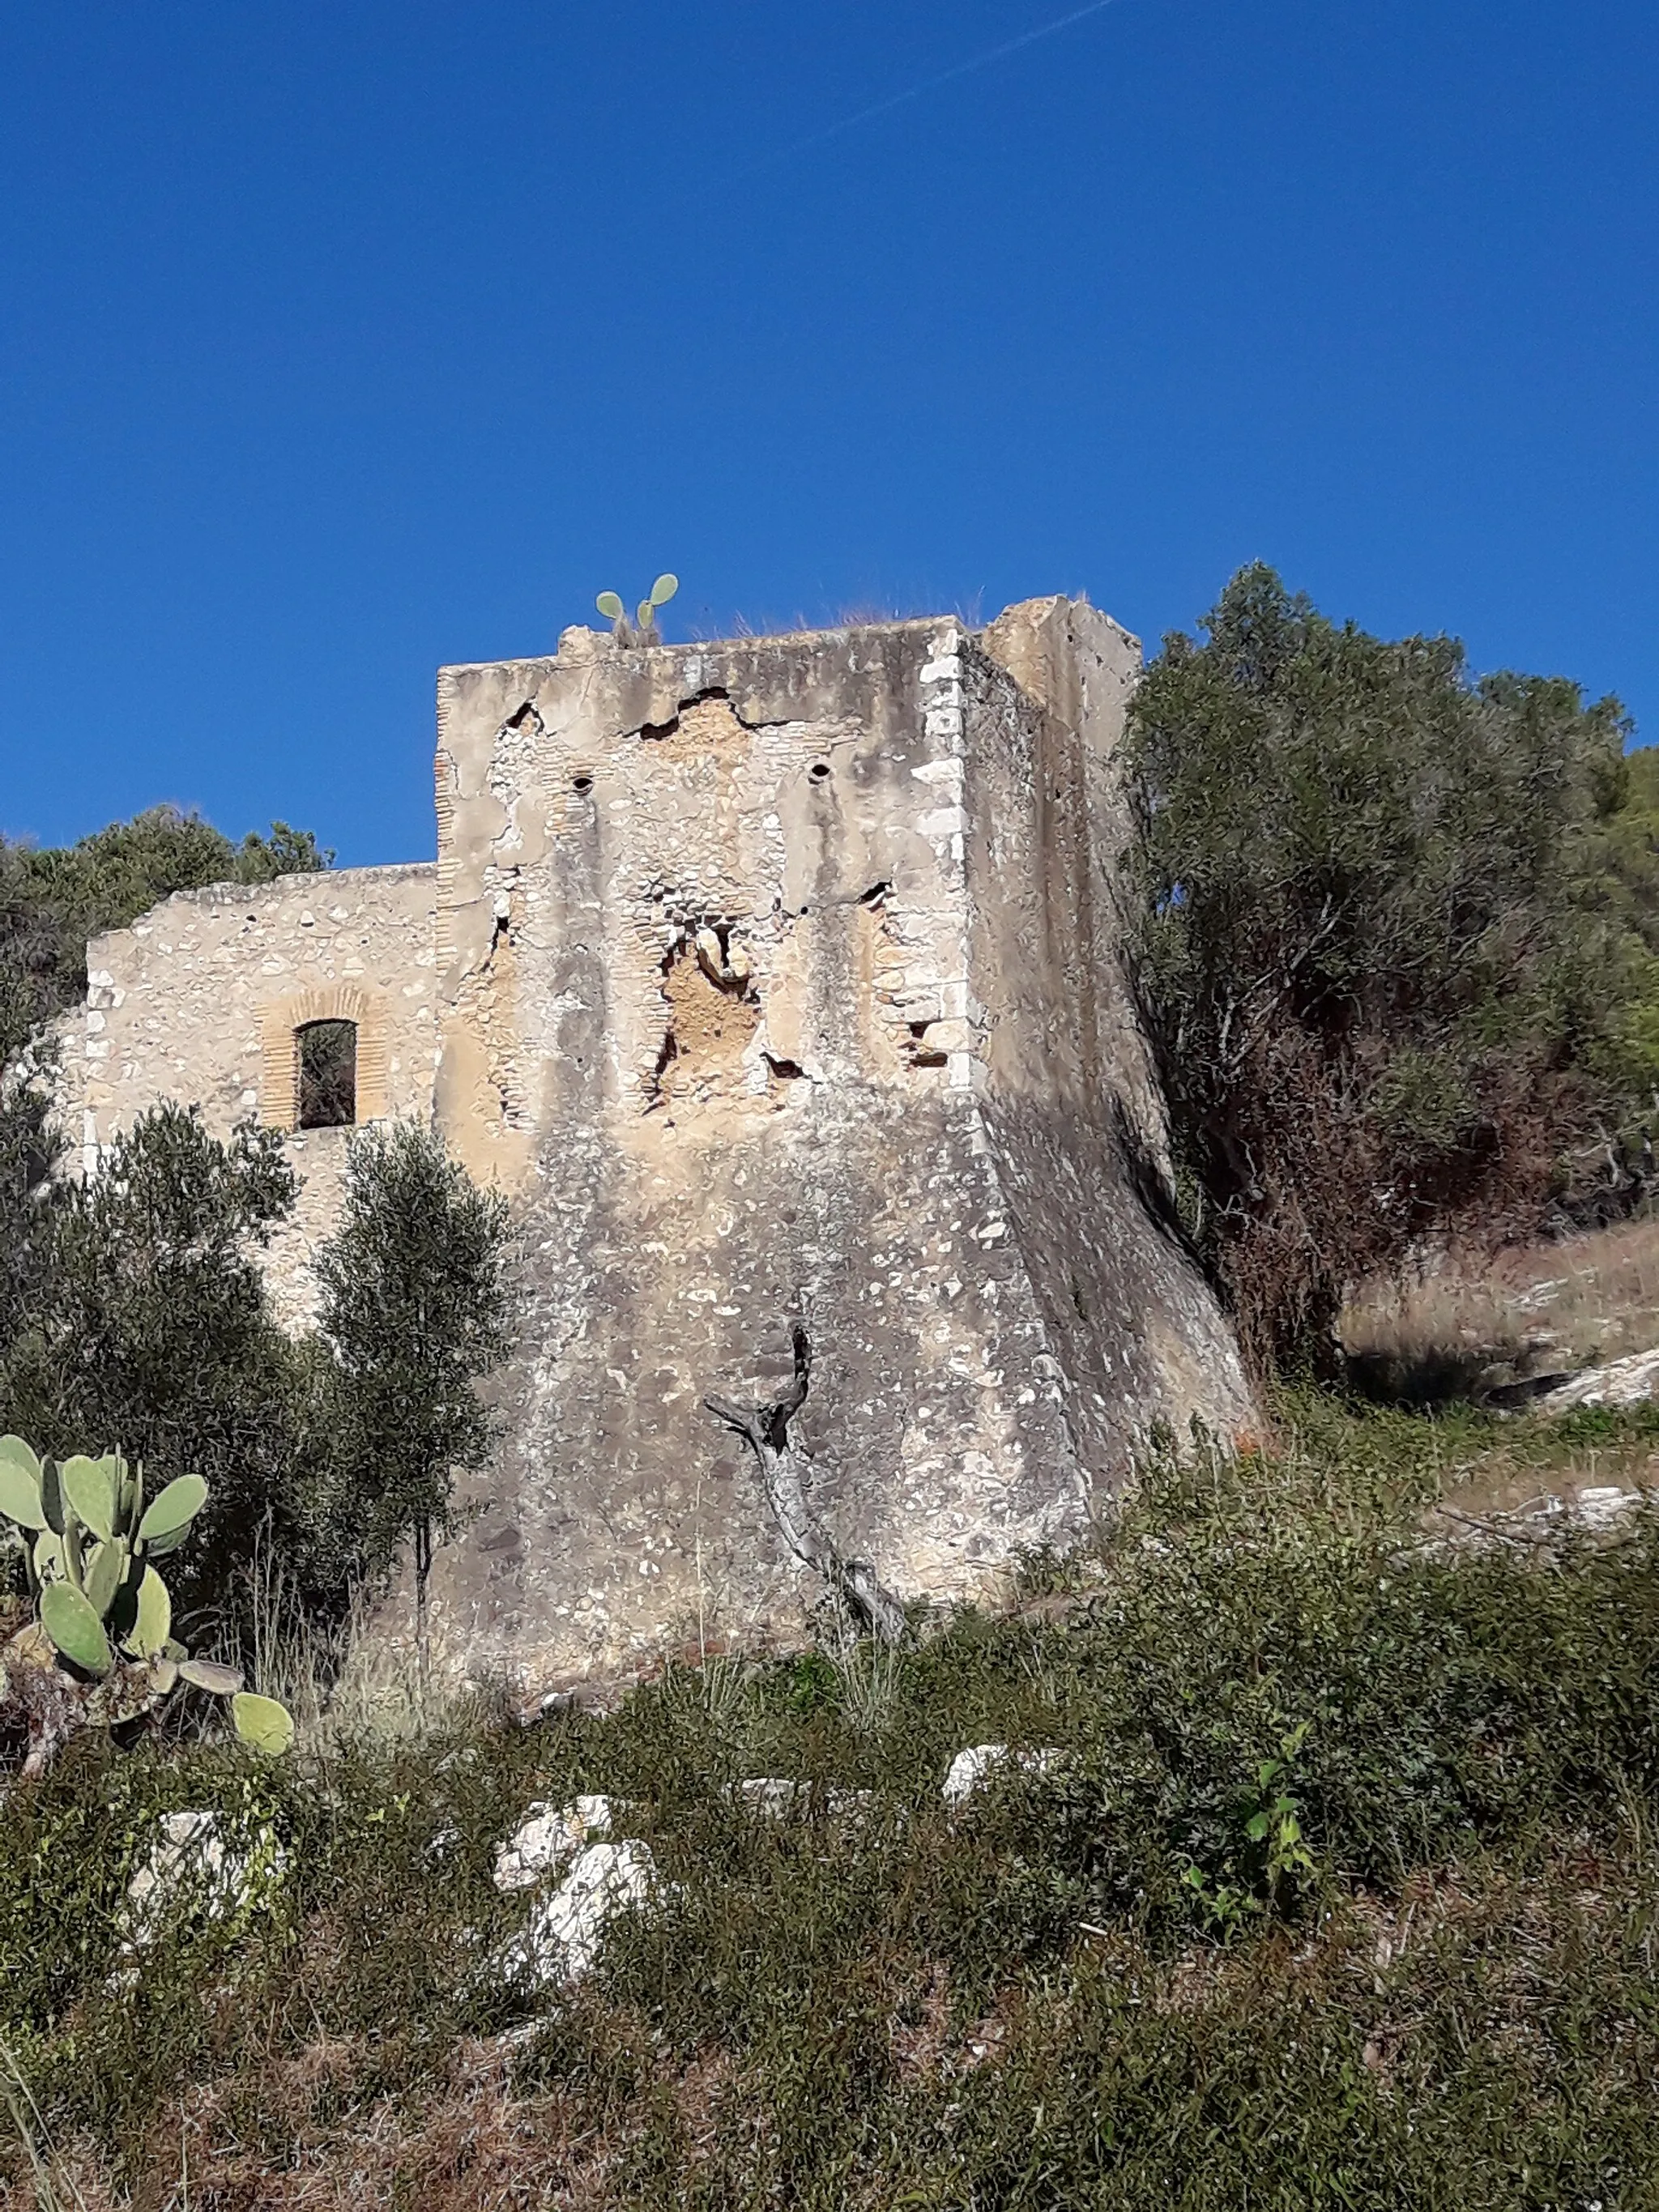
x,y
769,983
199,1000
1072,1106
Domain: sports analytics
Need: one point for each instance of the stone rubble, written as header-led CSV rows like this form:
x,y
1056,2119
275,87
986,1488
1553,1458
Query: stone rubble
x,y
547,1839
560,1944
772,1796
193,1867
970,1769
1628,1381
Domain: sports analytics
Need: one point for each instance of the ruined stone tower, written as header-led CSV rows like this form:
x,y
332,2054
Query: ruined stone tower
x,y
771,978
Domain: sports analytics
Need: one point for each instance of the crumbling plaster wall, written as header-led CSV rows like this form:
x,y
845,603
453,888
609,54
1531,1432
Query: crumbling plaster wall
x,y
197,1003
765,984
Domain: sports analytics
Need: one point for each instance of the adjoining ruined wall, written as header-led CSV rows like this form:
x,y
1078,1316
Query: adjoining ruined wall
x,y
199,1000
775,980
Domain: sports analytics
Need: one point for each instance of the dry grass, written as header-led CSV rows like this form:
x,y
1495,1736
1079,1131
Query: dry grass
x,y
1468,1975
1466,1326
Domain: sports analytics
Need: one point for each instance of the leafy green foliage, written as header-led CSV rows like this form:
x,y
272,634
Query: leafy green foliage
x,y
415,1310
29,1149
150,1327
52,901
1373,947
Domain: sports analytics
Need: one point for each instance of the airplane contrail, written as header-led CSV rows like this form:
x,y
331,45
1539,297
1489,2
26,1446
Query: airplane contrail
x,y
933,83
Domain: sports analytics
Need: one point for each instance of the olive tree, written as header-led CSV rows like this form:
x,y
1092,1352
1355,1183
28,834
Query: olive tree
x,y
415,1309
1371,943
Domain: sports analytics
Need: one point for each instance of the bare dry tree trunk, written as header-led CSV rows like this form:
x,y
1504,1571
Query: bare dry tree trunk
x,y
783,1468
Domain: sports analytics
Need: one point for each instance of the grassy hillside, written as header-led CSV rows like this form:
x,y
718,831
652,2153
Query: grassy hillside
x,y
1342,1893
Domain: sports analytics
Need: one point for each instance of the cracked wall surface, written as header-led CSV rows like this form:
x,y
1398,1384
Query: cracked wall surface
x,y
778,977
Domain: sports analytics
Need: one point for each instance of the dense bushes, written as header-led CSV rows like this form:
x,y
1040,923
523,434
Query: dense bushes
x,y
133,1310
1384,927
869,2002
415,1310
147,1327
52,901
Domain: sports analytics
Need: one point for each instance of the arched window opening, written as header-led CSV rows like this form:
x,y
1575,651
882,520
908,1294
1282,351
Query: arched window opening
x,y
328,1074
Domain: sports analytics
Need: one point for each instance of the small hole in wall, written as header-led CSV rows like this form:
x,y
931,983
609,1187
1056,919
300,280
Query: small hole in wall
x,y
819,772
920,1055
581,785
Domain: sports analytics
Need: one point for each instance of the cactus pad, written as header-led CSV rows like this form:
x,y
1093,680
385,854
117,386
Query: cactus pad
x,y
92,1488
262,1722
154,1624
13,1447
75,1629
104,1568
171,1511
20,1495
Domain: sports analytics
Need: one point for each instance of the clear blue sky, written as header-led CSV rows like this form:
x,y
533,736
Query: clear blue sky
x,y
342,338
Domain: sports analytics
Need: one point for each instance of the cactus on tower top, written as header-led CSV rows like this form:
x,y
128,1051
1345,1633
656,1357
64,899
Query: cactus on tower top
x,y
643,628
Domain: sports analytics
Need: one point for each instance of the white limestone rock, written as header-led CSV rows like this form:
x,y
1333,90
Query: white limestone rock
x,y
773,1796
970,1769
561,1943
548,1839
1628,1381
196,1868
1604,1506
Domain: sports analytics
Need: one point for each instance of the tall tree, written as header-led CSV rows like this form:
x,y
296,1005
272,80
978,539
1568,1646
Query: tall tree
x,y
149,1329
415,1308
1372,946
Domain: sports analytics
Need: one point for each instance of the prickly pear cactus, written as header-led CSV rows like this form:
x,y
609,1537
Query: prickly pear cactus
x,y
644,627
103,1624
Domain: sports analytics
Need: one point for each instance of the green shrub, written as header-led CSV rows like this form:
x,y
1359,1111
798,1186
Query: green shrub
x,y
1375,949
870,2000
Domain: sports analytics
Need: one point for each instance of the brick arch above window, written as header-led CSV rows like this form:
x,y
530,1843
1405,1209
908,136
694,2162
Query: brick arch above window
x,y
280,1021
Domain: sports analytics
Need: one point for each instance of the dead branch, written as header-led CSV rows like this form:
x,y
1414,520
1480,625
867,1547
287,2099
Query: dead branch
x,y
783,1472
